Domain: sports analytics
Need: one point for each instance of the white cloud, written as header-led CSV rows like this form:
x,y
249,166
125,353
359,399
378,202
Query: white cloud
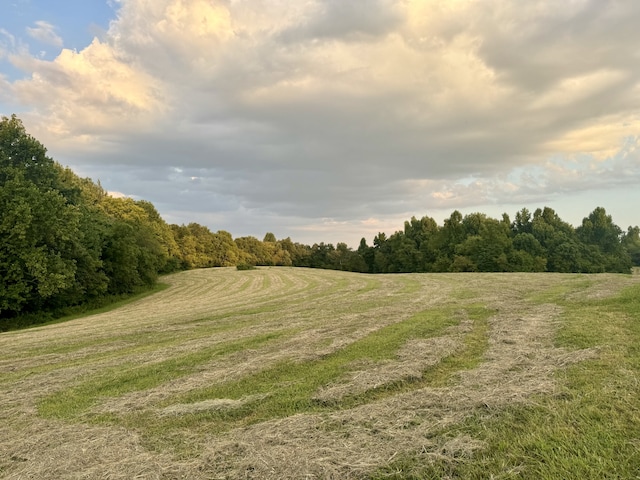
x,y
46,33
84,97
117,195
324,109
7,42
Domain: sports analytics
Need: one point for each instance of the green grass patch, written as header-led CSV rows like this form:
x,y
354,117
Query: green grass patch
x,y
559,291
411,285
288,387
475,345
129,344
590,429
274,303
372,284
130,377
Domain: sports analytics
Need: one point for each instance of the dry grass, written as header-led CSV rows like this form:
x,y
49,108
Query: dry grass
x,y
140,365
412,360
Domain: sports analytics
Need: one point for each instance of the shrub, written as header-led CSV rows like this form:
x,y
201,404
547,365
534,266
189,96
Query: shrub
x,y
245,266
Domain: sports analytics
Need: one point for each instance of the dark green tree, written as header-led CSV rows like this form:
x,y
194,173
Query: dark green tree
x,y
253,251
367,254
38,227
487,245
631,242
522,222
528,255
381,251
298,253
603,240
403,255
269,237
321,256
424,233
450,235
133,253
559,241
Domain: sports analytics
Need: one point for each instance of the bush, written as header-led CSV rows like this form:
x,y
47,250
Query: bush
x,y
245,266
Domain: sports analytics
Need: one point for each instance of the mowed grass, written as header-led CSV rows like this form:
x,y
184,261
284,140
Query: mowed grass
x,y
229,374
130,377
284,389
588,429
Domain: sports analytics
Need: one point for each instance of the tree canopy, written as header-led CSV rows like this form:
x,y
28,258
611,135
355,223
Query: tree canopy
x,y
64,241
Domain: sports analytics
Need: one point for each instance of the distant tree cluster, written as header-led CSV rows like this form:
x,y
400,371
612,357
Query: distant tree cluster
x,y
538,242
65,242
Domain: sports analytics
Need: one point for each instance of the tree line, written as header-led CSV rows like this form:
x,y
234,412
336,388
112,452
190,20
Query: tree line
x,y
65,242
533,242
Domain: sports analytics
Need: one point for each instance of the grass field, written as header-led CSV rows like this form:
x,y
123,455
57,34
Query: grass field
x,y
280,373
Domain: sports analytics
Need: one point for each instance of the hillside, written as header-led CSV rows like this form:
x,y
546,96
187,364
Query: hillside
x,y
299,373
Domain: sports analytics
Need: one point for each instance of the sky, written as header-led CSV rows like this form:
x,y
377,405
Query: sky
x,y
333,120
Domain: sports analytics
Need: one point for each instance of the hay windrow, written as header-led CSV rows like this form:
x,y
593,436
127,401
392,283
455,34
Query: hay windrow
x,y
218,404
314,316
375,432
413,359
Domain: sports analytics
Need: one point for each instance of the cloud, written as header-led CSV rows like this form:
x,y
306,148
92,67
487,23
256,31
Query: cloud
x,y
346,21
7,40
46,33
301,112
117,195
83,97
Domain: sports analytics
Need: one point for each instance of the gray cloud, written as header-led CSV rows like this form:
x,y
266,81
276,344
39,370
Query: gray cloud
x,y
346,21
330,115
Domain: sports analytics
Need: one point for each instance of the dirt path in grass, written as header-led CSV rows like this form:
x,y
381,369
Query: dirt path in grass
x,y
315,314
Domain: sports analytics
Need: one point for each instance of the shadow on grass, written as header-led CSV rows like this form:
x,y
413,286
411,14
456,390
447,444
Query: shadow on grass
x,y
96,306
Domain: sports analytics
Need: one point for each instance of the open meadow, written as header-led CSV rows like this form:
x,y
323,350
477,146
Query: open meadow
x,y
280,373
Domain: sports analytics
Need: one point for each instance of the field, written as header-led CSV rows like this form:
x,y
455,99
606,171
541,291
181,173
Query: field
x,y
281,373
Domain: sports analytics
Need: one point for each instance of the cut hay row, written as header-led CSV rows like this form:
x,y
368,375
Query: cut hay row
x,y
282,373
